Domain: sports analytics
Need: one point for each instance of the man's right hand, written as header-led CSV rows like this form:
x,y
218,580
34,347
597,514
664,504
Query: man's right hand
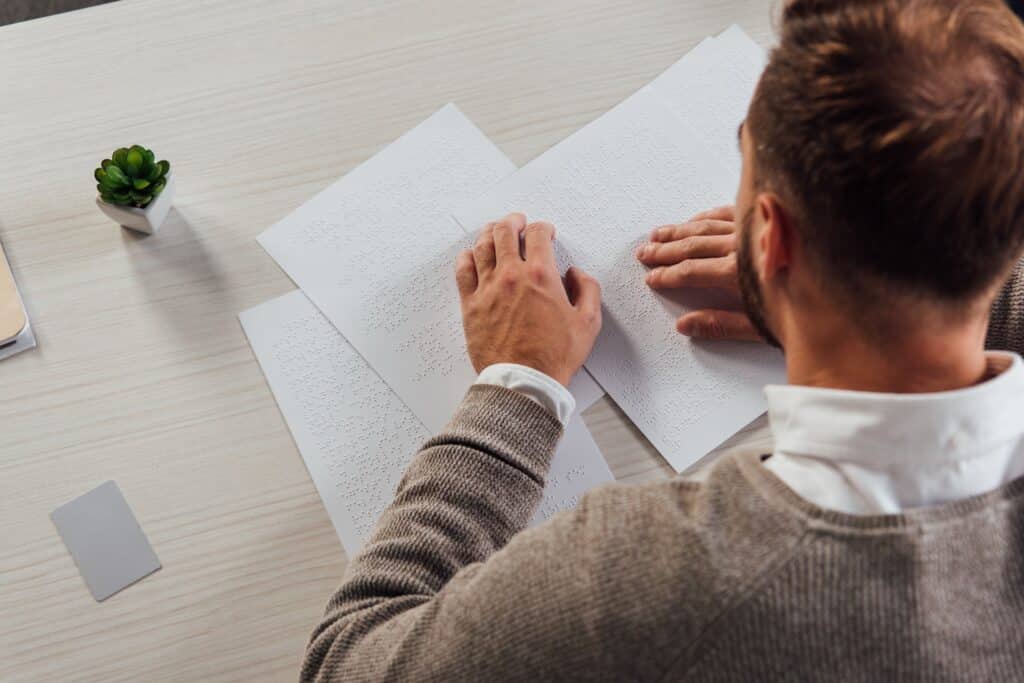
x,y
516,308
699,253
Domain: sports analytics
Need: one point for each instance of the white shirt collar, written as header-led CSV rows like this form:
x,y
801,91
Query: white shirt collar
x,y
867,452
879,428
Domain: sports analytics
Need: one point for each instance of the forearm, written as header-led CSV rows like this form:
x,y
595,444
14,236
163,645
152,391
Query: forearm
x,y
467,492
1006,328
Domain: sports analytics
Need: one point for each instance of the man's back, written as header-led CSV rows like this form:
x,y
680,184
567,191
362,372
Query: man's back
x,y
927,595
879,211
733,578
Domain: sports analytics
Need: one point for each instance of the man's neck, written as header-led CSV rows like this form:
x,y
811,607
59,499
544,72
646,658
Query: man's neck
x,y
924,360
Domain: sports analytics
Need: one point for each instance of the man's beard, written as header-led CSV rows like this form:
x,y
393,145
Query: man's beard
x,y
750,287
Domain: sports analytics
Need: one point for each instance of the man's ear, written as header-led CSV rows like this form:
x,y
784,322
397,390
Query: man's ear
x,y
777,237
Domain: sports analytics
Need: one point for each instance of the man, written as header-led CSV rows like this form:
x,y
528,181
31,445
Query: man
x,y
880,209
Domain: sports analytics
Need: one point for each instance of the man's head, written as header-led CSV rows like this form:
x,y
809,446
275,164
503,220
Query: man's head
x,y
884,163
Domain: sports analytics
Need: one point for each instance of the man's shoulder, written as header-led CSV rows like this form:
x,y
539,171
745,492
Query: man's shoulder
x,y
712,531
723,499
660,560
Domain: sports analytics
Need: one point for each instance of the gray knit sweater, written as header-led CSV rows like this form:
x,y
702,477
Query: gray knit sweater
x,y
734,578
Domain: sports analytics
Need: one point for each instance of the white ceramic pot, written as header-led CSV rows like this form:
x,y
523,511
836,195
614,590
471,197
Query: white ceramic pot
x,y
145,220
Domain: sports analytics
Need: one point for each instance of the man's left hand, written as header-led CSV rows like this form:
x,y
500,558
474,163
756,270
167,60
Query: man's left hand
x,y
700,253
517,309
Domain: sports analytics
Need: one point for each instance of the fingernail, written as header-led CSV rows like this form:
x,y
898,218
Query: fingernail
x,y
653,274
640,251
685,327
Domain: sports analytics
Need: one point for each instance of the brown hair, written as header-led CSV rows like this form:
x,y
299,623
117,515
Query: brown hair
x,y
894,132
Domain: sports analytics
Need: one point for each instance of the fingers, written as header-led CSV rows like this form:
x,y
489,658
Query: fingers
x,y
717,325
584,294
465,273
539,239
506,237
695,228
667,253
722,213
483,252
710,272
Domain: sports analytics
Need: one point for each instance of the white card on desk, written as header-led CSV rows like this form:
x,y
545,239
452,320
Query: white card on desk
x,y
604,188
376,250
354,433
105,540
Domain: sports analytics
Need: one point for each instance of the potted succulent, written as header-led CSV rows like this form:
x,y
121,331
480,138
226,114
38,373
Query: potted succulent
x,y
135,189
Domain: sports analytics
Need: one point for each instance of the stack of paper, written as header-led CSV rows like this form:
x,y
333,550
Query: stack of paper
x,y
379,363
662,155
376,251
369,359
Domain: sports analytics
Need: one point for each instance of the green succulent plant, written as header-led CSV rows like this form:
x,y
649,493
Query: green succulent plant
x,y
131,177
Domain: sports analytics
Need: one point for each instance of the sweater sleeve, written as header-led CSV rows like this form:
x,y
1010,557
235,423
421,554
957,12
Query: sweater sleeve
x,y
1006,327
622,587
416,585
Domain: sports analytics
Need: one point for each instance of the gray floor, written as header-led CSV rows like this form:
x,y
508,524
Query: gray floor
x,y
21,10
12,11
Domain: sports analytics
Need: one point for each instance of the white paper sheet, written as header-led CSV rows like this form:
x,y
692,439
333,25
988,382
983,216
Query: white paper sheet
x,y
376,250
604,188
355,434
710,88
577,467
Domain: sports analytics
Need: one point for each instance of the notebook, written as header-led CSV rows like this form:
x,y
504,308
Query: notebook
x,y
15,330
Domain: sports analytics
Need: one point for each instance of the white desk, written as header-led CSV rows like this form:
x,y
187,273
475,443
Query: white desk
x,y
143,375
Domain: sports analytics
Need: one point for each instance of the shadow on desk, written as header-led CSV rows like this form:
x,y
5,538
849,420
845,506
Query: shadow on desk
x,y
181,275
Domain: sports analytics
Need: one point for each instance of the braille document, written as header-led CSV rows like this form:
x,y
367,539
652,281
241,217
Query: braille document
x,y
710,89
376,253
355,434
650,161
369,358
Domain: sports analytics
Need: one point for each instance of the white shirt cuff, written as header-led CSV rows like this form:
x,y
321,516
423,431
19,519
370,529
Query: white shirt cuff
x,y
534,384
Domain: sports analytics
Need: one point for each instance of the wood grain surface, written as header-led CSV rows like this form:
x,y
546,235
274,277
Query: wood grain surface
x,y
143,374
